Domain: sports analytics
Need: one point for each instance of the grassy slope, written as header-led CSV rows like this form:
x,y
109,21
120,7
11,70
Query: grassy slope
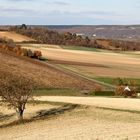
x,y
112,80
57,92
44,75
80,48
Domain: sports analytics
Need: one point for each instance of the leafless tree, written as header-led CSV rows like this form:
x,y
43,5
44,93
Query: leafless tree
x,y
15,91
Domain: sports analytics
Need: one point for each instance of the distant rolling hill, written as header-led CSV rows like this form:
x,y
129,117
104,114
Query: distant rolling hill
x,y
108,37
125,32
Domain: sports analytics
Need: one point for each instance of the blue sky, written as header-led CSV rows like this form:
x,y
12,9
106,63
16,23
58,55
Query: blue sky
x,y
69,12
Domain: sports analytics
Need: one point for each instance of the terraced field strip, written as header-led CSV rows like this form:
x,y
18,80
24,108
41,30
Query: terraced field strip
x,y
111,64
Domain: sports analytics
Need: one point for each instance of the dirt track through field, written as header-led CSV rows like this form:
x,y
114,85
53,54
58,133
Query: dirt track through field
x,y
115,103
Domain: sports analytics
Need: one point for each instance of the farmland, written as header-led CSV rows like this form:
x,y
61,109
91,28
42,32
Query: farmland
x,y
44,75
14,36
80,123
99,65
74,72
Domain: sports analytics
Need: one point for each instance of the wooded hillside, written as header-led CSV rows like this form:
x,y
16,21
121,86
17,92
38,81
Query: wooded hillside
x,y
46,36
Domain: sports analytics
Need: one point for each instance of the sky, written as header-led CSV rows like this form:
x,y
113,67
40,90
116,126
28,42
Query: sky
x,y
69,12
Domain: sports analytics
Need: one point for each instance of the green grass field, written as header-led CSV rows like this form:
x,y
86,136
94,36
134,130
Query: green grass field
x,y
70,92
57,92
82,48
114,80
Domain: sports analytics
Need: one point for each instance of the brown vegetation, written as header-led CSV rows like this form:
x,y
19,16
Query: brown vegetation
x,y
15,91
46,36
123,32
112,44
9,45
120,86
44,75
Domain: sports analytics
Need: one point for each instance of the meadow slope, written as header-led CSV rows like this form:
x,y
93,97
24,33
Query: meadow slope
x,y
44,75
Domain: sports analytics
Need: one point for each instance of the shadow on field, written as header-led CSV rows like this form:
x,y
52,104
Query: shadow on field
x,y
55,111
5,117
40,115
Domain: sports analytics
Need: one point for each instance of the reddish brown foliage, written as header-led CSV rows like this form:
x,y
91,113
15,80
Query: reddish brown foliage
x,y
10,46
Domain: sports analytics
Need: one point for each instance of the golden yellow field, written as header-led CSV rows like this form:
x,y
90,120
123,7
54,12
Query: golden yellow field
x,y
108,64
14,36
85,122
79,124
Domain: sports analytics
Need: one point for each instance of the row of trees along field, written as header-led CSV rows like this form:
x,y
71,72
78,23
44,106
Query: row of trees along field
x,y
9,46
45,36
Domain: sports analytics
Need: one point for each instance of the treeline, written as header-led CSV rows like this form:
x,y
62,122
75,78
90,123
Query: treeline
x,y
125,45
10,46
45,36
112,44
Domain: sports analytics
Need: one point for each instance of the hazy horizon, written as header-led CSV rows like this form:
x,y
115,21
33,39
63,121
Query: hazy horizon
x,y
70,24
69,12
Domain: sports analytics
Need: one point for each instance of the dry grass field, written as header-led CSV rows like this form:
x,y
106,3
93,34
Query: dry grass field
x,y
92,119
106,64
82,123
105,102
8,116
14,36
41,45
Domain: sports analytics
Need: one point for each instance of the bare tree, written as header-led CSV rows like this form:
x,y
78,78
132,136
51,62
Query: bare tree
x,y
15,91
